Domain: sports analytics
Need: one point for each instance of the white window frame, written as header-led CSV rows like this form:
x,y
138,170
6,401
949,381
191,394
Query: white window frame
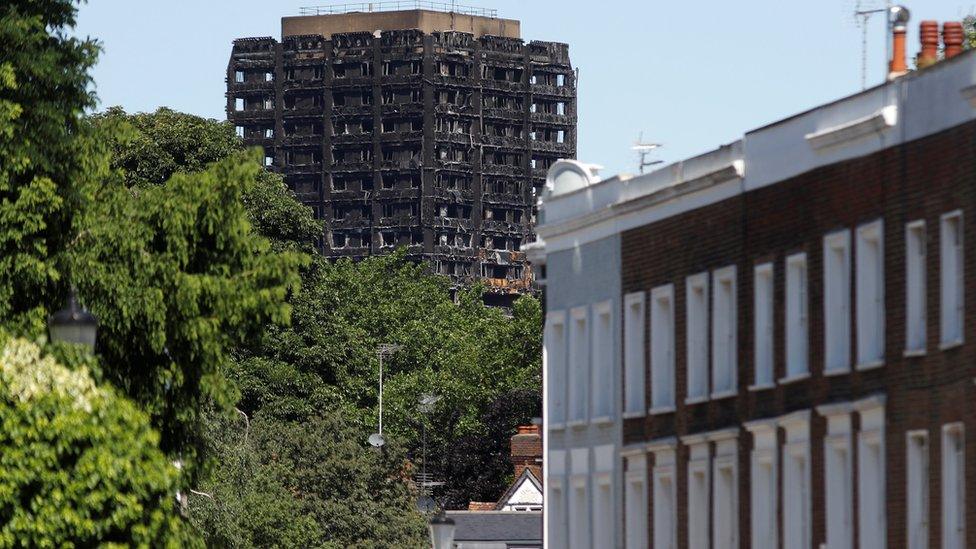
x,y
951,268
602,370
796,498
635,502
871,480
579,513
579,366
556,368
665,503
917,488
635,328
764,495
953,486
696,337
837,302
662,350
870,293
797,319
764,321
699,506
724,332
916,299
555,512
838,476
603,516
725,506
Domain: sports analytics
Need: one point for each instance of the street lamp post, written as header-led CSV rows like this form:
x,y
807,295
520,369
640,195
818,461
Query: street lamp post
x,y
441,531
382,350
73,324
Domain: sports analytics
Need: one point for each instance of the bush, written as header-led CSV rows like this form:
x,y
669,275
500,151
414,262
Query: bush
x,y
79,464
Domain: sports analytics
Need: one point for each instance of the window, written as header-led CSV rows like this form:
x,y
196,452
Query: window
x,y
634,353
635,502
602,361
555,518
723,332
696,290
871,509
953,487
952,278
239,104
238,76
664,502
763,318
698,504
837,302
764,487
796,481
579,367
602,511
239,131
870,294
725,528
915,301
662,348
579,516
838,477
917,496
796,317
555,353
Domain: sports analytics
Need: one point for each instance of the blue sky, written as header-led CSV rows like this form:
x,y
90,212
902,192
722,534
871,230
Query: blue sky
x,y
689,74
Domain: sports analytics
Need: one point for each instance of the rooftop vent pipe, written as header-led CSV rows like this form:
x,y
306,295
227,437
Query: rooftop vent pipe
x,y
898,15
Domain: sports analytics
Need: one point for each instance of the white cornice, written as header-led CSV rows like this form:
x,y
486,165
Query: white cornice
x,y
849,131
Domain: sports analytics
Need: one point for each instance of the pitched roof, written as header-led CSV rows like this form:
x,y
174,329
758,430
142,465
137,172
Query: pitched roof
x,y
510,526
526,476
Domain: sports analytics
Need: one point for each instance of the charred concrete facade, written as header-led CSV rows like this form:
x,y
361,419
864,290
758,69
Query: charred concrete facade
x,y
434,141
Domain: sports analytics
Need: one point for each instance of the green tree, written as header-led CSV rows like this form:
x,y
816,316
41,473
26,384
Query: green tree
x,y
48,161
305,484
149,148
178,279
79,464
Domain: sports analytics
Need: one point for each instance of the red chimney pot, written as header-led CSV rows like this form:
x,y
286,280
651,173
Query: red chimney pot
x,y
952,37
929,36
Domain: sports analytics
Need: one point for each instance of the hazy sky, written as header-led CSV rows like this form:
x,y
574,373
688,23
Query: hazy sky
x,y
689,74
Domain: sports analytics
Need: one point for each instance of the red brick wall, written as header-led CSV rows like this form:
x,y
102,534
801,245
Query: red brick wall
x,y
919,180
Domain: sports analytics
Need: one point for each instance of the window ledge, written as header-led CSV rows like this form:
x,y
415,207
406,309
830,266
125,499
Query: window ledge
x,y
577,423
696,399
602,420
725,394
837,371
794,378
870,365
557,426
950,345
909,353
661,410
634,414
762,386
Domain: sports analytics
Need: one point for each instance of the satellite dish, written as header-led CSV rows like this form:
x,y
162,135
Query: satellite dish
x,y
425,504
376,440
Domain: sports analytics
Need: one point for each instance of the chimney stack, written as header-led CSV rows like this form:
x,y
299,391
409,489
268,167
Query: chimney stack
x,y
527,450
929,36
899,28
952,37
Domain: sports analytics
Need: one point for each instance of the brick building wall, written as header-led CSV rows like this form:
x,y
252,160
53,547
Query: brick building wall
x,y
921,179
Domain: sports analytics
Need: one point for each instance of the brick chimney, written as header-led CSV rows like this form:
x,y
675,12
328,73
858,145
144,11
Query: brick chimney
x,y
527,450
929,36
899,29
952,37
